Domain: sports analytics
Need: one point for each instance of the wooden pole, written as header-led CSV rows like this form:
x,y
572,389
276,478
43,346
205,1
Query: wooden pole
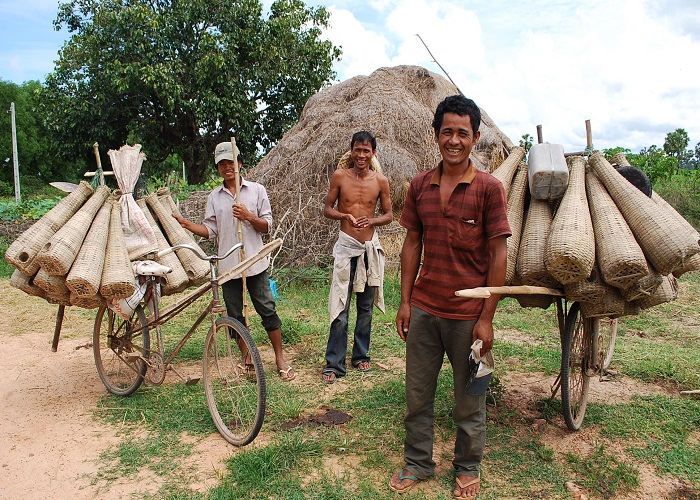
x,y
486,291
539,134
234,149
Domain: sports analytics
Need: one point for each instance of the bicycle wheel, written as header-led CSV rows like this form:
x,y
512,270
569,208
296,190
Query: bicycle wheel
x,y
607,332
120,347
235,390
574,364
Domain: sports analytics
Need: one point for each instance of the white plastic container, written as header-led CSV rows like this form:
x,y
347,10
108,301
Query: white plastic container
x,y
547,172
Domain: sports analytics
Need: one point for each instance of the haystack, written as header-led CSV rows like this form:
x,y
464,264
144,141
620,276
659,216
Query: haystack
x,y
397,106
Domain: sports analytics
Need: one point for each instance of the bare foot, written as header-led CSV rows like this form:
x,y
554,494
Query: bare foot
x,y
466,487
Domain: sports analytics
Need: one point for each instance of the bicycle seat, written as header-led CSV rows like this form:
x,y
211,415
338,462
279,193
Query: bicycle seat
x,y
150,268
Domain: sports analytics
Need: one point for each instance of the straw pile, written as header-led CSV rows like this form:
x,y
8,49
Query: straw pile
x,y
396,105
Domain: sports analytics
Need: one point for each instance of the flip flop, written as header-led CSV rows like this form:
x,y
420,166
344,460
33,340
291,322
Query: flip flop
x,y
468,481
403,476
366,364
331,377
284,374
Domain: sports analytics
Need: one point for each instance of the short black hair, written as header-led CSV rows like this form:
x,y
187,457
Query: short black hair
x,y
363,136
460,105
637,177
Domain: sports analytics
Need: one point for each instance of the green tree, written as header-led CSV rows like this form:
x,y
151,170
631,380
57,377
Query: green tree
x,y
37,164
526,142
676,144
181,75
655,162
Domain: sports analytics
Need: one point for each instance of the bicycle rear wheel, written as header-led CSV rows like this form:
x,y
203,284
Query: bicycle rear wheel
x,y
120,347
235,390
575,357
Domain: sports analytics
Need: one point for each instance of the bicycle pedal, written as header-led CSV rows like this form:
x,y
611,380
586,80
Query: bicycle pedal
x,y
133,356
192,380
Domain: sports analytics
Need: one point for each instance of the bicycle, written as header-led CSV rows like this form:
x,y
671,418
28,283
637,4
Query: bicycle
x,y
235,393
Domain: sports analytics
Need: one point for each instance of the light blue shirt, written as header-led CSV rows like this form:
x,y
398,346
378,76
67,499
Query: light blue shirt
x,y
220,222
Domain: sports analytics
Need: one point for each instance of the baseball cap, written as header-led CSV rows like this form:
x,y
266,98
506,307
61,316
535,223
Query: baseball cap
x,y
223,151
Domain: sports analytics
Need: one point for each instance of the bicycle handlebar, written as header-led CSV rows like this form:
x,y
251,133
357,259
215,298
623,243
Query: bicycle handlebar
x,y
198,251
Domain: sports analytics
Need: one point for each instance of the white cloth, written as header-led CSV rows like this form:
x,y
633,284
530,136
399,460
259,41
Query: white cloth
x,y
486,363
219,220
344,250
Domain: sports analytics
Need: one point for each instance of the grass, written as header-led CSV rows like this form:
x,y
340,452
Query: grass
x,y
306,460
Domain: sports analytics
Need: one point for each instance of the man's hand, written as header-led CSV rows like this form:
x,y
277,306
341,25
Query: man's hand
x,y
241,212
361,222
484,330
403,319
181,220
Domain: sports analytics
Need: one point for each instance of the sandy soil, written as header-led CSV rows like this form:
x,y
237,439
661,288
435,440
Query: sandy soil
x,y
50,443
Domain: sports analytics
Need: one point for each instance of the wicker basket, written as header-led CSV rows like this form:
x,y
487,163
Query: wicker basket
x,y
85,276
611,305
620,258
570,250
196,268
23,250
542,301
54,286
26,284
692,263
516,208
117,275
631,309
644,287
620,159
664,241
59,253
666,292
592,289
87,302
176,280
506,170
530,268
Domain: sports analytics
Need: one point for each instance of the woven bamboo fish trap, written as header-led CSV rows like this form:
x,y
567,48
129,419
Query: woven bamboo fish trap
x,y
693,263
22,252
620,159
610,305
87,302
530,268
83,279
570,250
620,258
645,286
666,292
631,309
664,241
26,284
176,280
516,208
54,286
506,171
592,289
542,301
117,275
59,253
196,268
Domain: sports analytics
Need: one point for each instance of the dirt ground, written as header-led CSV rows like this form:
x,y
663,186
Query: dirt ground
x,y
50,442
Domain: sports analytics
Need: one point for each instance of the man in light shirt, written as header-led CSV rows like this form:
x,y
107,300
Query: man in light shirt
x,y
221,220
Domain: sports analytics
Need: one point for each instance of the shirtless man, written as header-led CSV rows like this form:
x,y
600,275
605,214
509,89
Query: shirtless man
x,y
358,256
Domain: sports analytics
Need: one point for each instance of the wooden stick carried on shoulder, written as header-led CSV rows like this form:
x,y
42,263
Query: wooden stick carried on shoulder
x,y
485,292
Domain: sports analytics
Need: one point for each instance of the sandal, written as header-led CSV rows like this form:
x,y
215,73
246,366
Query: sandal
x,y
364,366
246,369
329,377
285,374
460,485
402,476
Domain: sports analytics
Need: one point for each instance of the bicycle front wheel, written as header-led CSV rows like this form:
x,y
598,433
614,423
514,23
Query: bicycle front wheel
x,y
120,347
607,333
234,386
575,358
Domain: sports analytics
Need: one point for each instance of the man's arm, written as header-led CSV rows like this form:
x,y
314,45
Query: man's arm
x,y
329,210
198,229
410,261
384,202
498,255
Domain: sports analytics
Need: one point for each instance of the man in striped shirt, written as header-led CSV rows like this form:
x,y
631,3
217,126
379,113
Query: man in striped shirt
x,y
456,217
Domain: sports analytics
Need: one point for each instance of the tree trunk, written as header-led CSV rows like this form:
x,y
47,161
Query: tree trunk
x,y
197,166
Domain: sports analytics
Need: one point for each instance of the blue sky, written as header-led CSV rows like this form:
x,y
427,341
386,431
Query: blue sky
x,y
627,65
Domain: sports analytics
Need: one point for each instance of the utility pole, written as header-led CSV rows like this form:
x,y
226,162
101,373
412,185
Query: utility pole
x,y
15,164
